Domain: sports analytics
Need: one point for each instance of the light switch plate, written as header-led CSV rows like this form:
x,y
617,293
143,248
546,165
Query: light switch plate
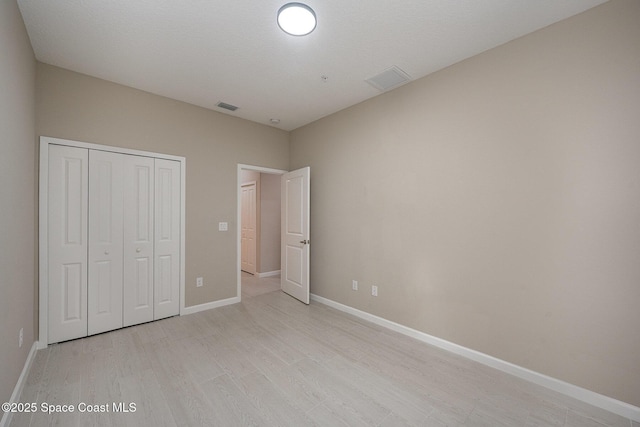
x,y
223,226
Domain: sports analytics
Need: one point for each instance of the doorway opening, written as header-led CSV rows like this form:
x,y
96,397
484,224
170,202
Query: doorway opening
x,y
259,220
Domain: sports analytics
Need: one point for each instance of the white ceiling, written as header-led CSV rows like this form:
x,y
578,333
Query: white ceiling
x,y
203,52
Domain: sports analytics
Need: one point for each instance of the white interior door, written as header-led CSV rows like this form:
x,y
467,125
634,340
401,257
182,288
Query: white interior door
x,y
248,242
104,288
138,239
295,244
166,291
67,243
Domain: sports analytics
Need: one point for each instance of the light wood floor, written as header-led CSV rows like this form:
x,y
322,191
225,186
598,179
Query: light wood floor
x,y
253,286
272,360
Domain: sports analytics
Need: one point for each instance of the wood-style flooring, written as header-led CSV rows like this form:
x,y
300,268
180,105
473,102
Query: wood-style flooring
x,y
273,361
252,286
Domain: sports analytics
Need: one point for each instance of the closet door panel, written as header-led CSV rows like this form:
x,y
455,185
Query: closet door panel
x,y
105,241
67,243
167,238
138,240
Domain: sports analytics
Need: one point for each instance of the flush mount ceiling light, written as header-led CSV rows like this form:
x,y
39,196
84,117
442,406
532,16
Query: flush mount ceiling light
x,y
296,19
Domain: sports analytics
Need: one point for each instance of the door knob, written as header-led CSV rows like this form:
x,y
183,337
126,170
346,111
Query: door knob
x,y
305,242
138,250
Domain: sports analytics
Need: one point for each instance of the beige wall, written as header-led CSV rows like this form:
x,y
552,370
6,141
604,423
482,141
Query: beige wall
x,y
17,196
496,203
269,222
78,107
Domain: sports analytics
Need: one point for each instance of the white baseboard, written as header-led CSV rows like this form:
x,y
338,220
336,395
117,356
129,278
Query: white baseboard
x,y
607,403
269,274
22,379
209,305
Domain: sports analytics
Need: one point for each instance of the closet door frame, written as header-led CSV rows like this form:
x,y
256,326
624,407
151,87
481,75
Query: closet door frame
x,y
43,211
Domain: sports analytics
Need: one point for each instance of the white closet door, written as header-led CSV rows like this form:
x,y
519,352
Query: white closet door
x,y
167,238
105,241
67,243
138,239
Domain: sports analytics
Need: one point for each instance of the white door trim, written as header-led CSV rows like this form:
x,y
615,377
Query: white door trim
x,y
43,298
242,167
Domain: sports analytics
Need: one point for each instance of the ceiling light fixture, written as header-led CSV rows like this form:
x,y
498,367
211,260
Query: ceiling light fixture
x,y
296,19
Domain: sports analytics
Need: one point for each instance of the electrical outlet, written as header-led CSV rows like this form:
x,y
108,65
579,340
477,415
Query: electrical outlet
x,y
374,290
354,285
20,339
199,282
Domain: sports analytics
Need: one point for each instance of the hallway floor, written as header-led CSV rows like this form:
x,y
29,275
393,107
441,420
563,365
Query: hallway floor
x,y
253,286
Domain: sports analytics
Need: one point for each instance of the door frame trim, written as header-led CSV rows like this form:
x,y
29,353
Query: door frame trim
x,y
254,168
43,209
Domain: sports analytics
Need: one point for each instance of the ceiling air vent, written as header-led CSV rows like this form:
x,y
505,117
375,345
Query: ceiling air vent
x,y
227,106
388,79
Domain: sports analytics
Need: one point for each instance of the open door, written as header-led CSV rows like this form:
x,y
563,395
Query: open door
x,y
295,234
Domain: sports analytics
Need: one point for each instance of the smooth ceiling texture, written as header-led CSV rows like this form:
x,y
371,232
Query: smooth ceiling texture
x,y
233,51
